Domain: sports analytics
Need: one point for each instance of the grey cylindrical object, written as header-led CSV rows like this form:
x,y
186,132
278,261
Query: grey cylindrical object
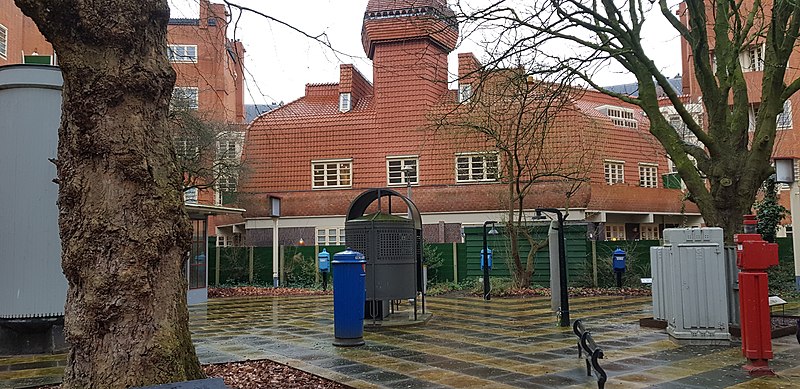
x,y
31,281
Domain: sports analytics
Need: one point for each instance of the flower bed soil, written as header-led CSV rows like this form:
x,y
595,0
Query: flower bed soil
x,y
245,291
267,374
261,374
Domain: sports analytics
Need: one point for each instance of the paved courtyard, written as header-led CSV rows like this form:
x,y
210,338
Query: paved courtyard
x,y
468,343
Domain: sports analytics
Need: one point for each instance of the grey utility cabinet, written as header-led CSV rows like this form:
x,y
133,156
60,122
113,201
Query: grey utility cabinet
x,y
31,282
690,284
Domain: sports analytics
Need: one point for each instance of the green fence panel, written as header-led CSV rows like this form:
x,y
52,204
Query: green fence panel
x,y
576,251
782,277
444,272
461,249
262,265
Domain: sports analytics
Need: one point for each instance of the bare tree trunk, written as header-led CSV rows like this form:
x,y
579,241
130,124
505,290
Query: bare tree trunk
x,y
123,231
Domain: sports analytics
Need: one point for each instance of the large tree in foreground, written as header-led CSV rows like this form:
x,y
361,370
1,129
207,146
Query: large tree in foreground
x,y
733,154
123,231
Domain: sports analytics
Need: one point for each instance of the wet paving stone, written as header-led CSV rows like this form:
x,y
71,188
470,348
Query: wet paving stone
x,y
469,343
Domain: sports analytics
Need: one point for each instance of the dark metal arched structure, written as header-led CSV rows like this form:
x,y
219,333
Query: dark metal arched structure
x,y
392,246
366,198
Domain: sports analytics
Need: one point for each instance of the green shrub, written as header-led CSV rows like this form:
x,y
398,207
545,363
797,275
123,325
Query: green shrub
x,y
497,285
449,286
300,270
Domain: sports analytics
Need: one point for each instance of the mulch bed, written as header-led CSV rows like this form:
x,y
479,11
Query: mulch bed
x,y
245,291
267,374
261,374
574,292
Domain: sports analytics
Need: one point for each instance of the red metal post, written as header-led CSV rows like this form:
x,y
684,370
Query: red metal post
x,y
753,257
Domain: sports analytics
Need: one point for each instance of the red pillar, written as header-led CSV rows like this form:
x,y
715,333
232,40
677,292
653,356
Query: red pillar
x,y
753,257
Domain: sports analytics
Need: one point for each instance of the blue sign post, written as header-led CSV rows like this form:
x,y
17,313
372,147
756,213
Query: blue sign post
x,y
618,263
324,267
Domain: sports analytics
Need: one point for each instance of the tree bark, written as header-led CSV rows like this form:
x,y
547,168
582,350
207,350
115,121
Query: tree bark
x,y
123,230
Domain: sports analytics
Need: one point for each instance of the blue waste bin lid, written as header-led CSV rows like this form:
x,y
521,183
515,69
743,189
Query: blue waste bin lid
x,y
348,256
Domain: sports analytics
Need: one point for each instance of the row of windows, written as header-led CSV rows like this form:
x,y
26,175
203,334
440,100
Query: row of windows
x,y
403,170
646,232
615,173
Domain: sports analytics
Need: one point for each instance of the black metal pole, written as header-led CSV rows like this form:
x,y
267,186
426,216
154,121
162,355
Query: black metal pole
x,y
485,259
562,266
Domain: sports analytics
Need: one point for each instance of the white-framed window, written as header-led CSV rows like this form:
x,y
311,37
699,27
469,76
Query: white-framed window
x,y
476,167
186,148
190,196
648,175
784,119
182,53
227,149
345,102
186,97
621,117
614,171
649,232
402,170
226,184
615,231
3,42
331,173
752,117
464,93
752,59
330,236
225,187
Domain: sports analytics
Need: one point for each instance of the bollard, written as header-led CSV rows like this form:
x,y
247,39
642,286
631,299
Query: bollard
x,y
349,297
753,257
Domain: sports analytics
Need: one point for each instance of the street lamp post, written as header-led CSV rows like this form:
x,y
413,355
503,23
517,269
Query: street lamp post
x,y
275,213
562,265
485,259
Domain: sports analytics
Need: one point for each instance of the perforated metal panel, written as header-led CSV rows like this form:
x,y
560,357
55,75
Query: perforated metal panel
x,y
390,248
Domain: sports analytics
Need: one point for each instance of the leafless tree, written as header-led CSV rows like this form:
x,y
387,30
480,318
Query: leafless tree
x,y
727,39
530,123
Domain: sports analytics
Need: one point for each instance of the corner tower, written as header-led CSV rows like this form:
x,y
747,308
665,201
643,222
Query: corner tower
x,y
408,42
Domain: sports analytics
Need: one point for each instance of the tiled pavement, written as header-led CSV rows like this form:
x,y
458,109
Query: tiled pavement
x,y
468,343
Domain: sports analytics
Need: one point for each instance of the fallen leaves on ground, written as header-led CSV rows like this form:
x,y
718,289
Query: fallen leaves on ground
x,y
243,291
261,374
267,374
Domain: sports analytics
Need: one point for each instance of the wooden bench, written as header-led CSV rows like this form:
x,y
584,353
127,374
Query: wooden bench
x,y
590,352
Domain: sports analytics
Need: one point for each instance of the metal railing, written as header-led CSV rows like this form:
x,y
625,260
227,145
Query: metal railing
x,y
590,352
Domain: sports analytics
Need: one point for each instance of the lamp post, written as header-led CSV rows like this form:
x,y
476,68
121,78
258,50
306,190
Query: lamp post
x,y
275,213
784,173
562,265
485,259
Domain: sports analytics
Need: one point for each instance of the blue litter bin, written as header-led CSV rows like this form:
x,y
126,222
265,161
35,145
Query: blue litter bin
x,y
349,296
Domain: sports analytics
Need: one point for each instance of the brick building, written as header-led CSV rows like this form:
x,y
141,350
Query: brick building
x,y
208,66
319,152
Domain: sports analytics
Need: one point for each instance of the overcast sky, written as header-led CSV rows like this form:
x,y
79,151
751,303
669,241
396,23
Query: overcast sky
x,y
279,61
